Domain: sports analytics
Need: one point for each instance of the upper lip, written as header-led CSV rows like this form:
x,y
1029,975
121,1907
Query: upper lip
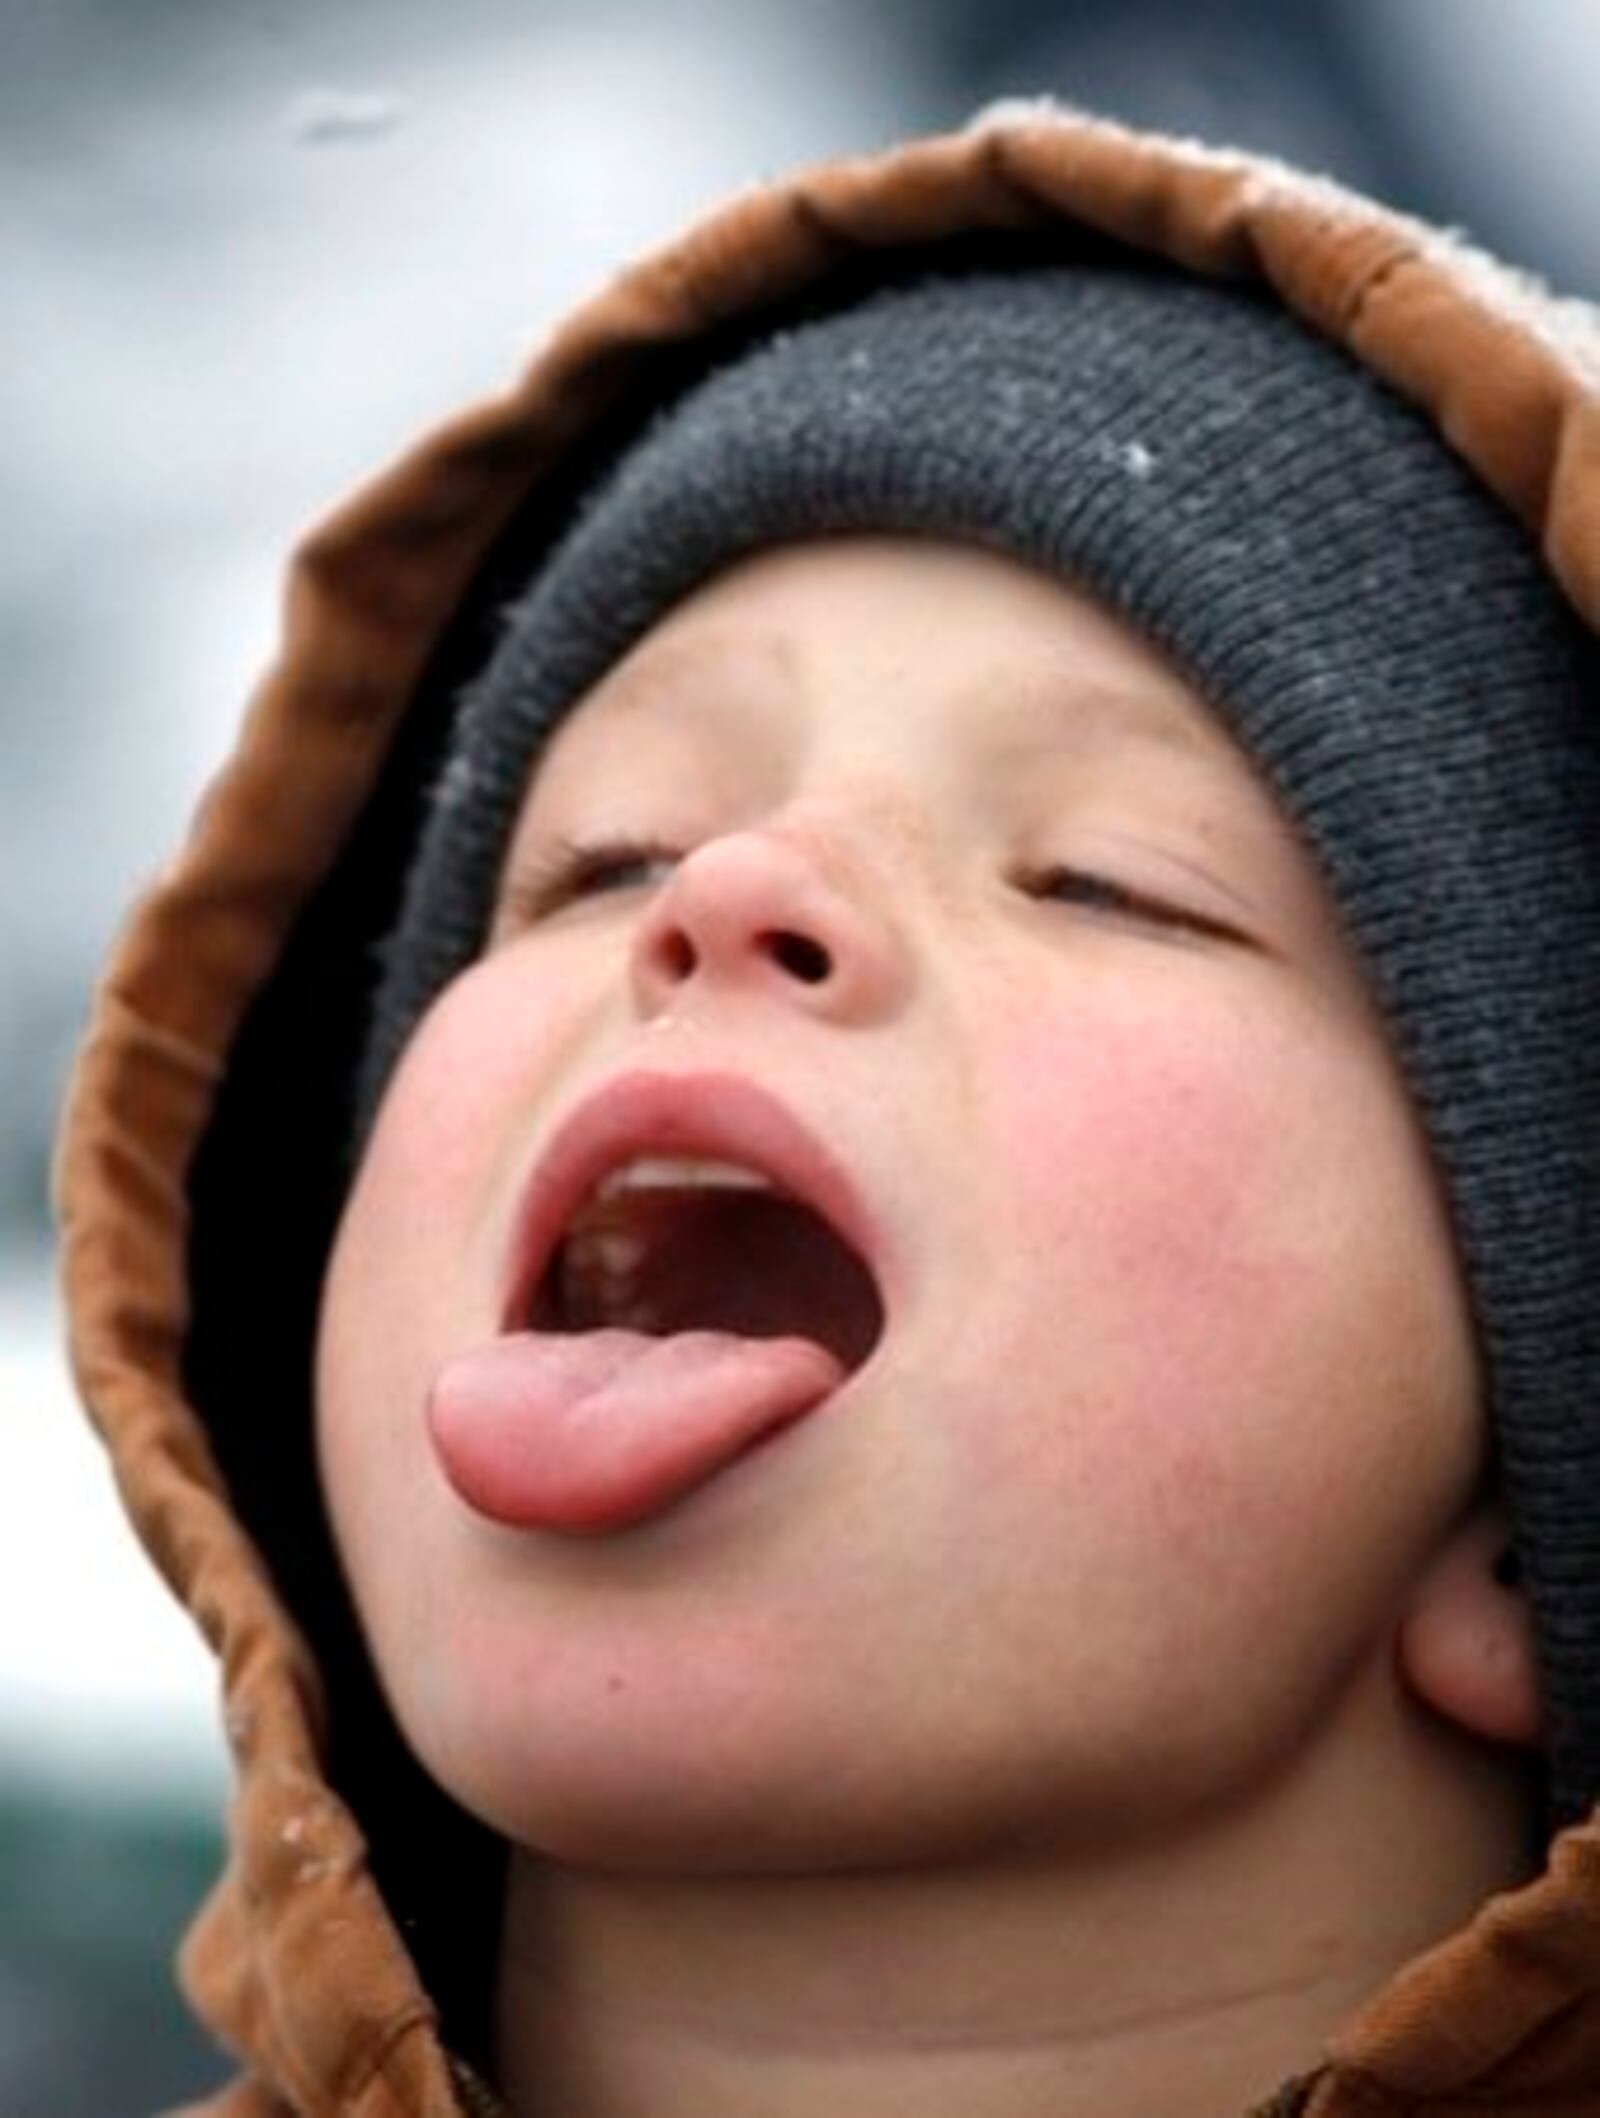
x,y
727,1117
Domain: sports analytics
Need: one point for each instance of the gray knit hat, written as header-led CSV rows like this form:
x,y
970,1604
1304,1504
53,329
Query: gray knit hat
x,y
1369,622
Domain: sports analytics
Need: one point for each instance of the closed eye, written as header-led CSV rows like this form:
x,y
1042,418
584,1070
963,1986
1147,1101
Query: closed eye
x,y
1095,892
568,870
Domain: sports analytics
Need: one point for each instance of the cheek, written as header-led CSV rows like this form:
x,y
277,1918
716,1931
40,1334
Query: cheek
x,y
448,1147
1249,1297
417,1260
1149,1163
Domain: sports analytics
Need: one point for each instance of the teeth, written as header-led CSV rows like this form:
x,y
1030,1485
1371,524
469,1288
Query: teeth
x,y
600,1274
680,1173
601,1266
612,1253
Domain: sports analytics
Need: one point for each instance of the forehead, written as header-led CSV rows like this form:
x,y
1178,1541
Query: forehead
x,y
923,634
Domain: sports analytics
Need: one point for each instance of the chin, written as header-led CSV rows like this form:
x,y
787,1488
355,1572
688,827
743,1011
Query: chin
x,y
788,1786
630,1780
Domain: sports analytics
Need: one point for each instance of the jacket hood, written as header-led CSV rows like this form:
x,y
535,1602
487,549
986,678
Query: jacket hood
x,y
201,1165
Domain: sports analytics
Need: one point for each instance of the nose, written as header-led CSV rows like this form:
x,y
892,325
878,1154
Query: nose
x,y
758,914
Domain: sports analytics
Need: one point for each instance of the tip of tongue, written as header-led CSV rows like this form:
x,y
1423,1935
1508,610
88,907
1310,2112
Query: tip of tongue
x,y
592,1431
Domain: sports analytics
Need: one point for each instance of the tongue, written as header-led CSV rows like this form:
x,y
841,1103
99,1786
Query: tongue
x,y
594,1430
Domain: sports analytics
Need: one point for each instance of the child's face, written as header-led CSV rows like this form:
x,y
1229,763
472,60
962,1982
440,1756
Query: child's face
x,y
1176,1392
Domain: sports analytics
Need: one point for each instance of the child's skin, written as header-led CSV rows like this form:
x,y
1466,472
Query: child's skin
x,y
1087,1707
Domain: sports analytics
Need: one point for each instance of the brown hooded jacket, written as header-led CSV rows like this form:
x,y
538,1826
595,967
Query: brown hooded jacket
x,y
311,1959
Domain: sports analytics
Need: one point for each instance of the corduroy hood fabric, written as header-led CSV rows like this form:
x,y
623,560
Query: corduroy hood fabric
x,y
199,1170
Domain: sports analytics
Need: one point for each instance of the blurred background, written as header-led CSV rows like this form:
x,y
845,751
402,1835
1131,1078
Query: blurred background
x,y
248,249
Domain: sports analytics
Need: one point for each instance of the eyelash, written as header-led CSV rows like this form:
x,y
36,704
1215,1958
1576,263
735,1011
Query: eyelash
x,y
1103,893
570,869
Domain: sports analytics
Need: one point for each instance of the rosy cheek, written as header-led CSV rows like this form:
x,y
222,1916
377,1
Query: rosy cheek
x,y
453,1131
1167,1179
418,1262
1147,1152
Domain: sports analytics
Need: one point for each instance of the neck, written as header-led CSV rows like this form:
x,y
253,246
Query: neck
x,y
1195,1968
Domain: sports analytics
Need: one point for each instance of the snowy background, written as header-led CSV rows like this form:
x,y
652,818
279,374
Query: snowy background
x,y
246,250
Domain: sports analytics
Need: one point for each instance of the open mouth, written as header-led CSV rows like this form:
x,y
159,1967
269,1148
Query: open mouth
x,y
666,1244
690,1275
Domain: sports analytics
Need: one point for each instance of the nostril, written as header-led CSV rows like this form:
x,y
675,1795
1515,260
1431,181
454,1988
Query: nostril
x,y
801,957
677,954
